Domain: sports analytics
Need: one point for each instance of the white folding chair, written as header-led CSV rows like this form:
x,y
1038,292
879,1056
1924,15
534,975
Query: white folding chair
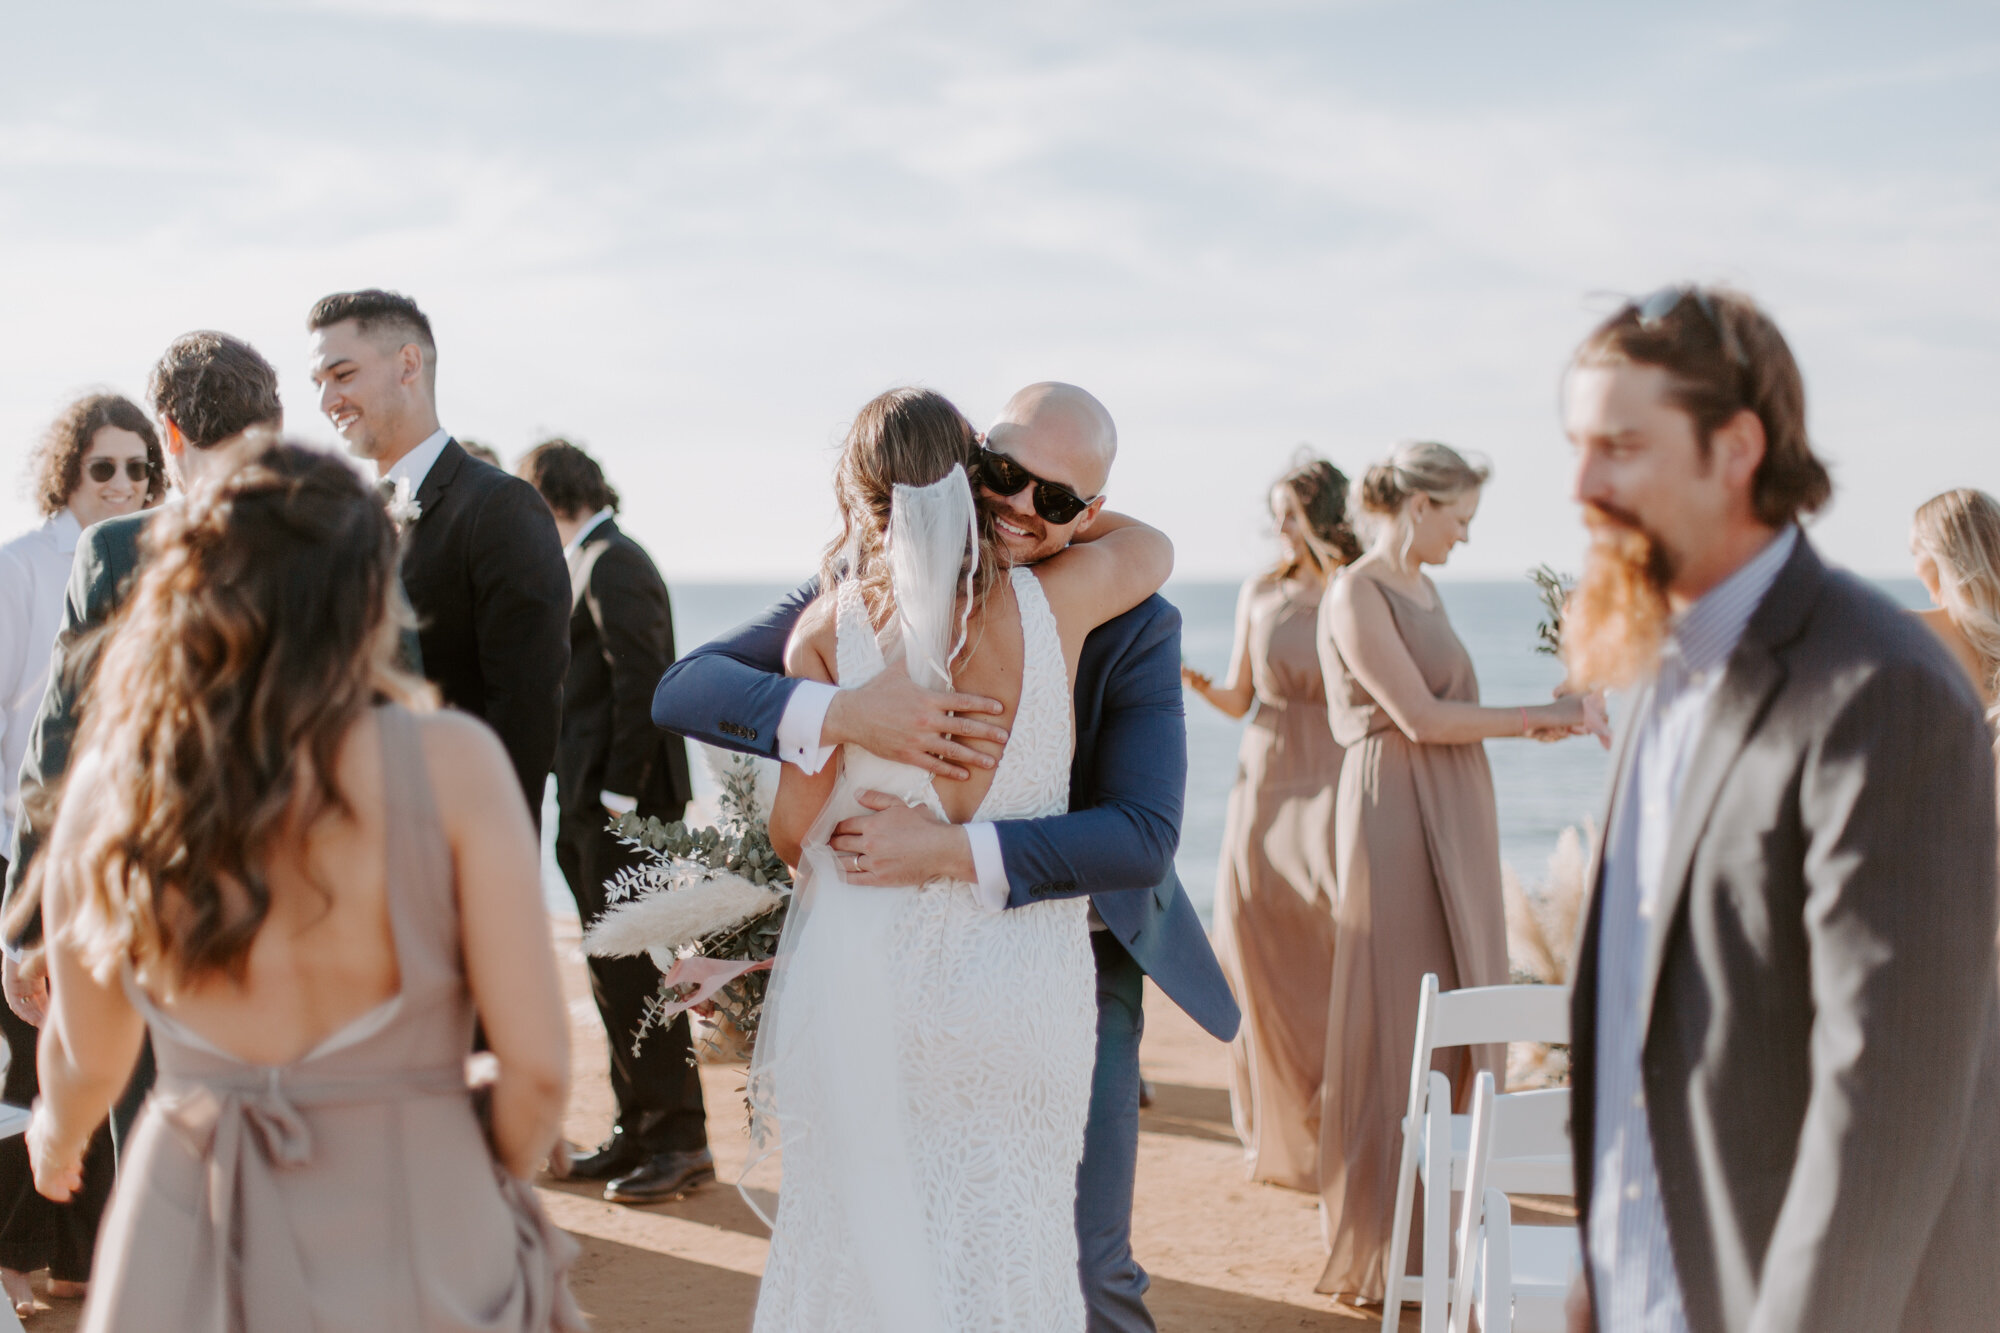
x,y
1516,1277
1435,1148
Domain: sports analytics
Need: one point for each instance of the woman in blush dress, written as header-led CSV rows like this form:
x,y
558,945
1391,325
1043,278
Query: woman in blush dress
x,y
100,459
304,885
1955,539
1418,837
1275,890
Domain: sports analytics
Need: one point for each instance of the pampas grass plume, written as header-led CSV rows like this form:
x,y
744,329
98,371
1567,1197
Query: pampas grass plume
x,y
661,922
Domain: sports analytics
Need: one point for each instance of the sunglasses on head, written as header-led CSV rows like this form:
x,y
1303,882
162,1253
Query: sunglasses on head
x,y
1055,502
101,470
1653,311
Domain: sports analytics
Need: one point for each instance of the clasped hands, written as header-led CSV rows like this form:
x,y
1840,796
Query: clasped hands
x,y
1592,718
896,718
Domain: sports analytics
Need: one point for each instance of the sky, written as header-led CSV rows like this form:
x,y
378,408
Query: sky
x,y
696,238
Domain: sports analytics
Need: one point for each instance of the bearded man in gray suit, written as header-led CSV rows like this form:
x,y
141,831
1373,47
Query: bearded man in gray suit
x,y
1787,1077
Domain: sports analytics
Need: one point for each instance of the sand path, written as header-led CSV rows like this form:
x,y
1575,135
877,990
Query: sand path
x,y
1226,1256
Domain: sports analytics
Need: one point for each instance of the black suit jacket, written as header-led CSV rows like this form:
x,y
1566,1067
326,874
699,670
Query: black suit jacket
x,y
484,569
621,641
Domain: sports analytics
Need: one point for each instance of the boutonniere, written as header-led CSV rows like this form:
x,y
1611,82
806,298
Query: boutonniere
x,y
402,501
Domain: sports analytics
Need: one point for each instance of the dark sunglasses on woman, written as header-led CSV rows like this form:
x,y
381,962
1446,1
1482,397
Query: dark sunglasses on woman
x,y
101,470
1055,502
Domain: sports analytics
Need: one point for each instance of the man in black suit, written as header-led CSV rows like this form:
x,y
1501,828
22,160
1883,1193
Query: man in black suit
x,y
483,565
612,761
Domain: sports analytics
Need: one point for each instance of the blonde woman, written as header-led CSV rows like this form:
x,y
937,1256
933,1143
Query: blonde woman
x,y
1275,888
1417,831
1956,541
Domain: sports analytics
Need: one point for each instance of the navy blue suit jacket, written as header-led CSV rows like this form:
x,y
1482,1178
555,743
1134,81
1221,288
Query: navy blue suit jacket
x,y
1127,782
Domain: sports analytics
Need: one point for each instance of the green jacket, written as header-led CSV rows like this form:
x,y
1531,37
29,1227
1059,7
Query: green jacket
x,y
106,557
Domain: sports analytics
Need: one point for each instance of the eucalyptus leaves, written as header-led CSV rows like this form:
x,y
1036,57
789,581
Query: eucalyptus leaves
x,y
707,903
1555,590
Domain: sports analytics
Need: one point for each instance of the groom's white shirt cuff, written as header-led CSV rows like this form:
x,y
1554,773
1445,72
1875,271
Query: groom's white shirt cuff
x,y
990,892
800,725
799,743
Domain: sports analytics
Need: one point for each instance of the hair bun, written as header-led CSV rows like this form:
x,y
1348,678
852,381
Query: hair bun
x,y
1381,493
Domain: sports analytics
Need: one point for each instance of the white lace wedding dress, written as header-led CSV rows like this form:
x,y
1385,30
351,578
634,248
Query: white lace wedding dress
x,y
930,1063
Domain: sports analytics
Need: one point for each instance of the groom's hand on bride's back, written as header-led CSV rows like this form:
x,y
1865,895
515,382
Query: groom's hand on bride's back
x,y
898,845
896,718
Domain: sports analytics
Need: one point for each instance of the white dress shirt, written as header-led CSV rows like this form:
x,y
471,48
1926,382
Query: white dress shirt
x,y
417,464
1632,1262
799,731
34,574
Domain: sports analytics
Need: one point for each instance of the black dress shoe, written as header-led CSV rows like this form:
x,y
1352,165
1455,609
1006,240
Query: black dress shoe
x,y
613,1157
665,1176
1146,1093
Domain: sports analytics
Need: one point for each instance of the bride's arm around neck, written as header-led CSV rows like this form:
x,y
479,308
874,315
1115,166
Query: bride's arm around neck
x,y
809,655
1111,566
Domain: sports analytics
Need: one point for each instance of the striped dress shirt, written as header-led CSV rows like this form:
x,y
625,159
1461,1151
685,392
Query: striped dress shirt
x,y
1632,1262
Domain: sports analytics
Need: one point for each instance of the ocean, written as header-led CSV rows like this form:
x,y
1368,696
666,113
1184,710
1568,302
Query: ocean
x,y
1541,789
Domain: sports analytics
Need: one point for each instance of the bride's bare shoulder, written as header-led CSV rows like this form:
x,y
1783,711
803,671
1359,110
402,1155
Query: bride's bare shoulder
x,y
810,653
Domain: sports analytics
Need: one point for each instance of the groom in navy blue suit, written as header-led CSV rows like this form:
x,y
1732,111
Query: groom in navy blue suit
x,y
1051,446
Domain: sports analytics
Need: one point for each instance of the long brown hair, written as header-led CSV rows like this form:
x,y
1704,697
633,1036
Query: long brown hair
x,y
1316,491
911,437
264,623
1724,356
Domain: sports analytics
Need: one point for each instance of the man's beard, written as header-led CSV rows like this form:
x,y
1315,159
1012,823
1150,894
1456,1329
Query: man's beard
x,y
1616,619
1040,549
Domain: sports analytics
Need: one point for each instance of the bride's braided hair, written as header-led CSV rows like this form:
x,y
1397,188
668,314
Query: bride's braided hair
x,y
913,437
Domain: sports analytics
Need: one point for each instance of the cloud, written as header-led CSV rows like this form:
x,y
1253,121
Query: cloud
x,y
698,237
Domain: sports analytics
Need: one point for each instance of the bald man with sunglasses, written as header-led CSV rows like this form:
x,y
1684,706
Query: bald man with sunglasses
x,y
1042,472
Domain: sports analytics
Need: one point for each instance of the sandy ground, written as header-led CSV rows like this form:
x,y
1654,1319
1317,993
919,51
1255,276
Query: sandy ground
x,y
1226,1255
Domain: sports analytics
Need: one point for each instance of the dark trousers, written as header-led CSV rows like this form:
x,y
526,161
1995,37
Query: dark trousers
x,y
657,1087
35,1233
1114,1286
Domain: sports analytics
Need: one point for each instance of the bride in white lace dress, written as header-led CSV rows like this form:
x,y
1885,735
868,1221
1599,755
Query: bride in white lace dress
x,y
926,1058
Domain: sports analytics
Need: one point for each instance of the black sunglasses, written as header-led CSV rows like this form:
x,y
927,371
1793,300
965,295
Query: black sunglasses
x,y
1653,310
1055,502
101,470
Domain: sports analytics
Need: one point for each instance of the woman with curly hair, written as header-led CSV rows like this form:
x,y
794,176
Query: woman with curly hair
x,y
1275,890
99,459
306,885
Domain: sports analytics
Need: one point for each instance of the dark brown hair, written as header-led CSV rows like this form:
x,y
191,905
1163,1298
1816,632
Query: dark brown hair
x,y
264,622
213,386
568,478
1316,490
372,309
57,464
912,437
1725,355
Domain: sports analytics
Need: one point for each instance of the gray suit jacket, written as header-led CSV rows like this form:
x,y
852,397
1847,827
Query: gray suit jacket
x,y
1822,991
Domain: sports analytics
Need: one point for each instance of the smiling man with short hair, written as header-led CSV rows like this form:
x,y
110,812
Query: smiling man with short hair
x,y
482,565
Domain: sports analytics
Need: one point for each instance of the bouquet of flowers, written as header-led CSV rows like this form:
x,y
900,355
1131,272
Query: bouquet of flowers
x,y
707,904
1555,590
